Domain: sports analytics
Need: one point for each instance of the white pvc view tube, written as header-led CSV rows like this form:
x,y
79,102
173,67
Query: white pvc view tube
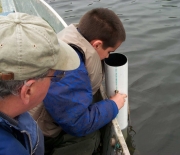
x,y
116,78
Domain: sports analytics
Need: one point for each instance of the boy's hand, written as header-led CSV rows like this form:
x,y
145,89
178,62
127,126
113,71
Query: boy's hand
x,y
119,99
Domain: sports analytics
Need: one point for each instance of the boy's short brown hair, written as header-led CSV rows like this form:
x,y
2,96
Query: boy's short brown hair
x,y
102,24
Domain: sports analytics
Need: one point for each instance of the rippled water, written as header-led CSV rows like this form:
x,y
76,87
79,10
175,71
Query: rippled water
x,y
153,50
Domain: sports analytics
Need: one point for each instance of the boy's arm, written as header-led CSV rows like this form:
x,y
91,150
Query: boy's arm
x,y
69,102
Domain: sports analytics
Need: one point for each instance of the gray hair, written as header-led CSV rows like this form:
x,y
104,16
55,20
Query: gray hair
x,y
13,87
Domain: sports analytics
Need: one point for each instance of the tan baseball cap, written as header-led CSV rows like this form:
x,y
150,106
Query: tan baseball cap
x,y
29,47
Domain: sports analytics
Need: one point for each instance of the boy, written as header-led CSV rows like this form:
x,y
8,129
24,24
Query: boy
x,y
72,123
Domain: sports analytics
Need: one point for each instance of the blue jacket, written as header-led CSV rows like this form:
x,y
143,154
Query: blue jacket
x,y
69,102
20,136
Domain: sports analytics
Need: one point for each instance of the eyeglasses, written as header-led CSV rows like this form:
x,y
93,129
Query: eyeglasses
x,y
58,77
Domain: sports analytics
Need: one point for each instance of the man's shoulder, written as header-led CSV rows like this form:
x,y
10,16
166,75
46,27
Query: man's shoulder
x,y
6,137
6,133
8,142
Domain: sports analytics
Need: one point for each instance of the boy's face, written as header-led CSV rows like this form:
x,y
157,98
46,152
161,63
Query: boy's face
x,y
104,53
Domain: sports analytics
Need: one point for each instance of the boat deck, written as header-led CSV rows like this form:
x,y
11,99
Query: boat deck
x,y
38,8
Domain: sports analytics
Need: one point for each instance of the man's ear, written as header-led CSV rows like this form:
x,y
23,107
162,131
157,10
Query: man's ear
x,y
27,91
96,44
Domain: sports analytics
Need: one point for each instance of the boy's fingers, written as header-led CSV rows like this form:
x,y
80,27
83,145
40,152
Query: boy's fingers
x,y
124,95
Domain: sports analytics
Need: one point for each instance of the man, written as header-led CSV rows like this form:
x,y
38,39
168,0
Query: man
x,y
29,54
73,124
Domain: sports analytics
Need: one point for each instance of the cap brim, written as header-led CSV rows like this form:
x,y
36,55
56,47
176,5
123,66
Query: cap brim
x,y
68,58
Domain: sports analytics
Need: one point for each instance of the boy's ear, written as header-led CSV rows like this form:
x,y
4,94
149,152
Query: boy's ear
x,y
96,44
27,91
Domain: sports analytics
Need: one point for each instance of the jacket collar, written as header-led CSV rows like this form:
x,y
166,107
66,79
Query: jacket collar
x,y
9,119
